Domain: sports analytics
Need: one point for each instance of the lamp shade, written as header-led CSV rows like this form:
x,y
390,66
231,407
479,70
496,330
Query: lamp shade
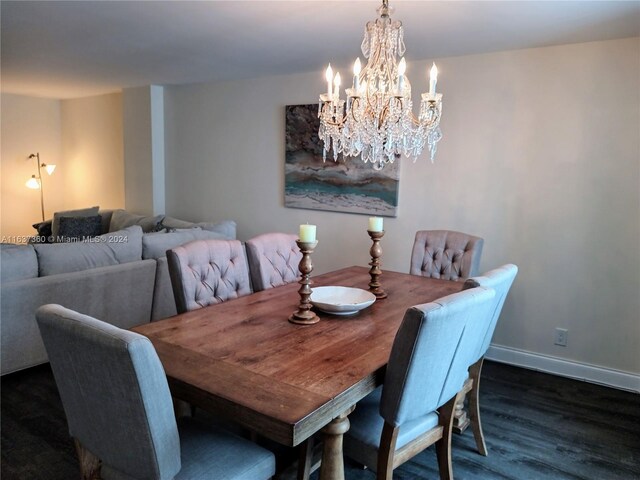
x,y
49,168
33,183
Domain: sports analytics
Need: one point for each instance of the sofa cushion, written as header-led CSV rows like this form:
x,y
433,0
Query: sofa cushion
x,y
106,219
122,219
17,262
109,249
75,229
226,227
155,245
83,212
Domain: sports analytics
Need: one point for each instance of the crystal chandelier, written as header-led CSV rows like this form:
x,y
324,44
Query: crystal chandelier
x,y
377,120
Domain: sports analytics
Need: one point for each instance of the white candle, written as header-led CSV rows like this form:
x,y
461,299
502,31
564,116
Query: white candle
x,y
328,74
402,67
356,74
307,233
375,224
336,84
433,79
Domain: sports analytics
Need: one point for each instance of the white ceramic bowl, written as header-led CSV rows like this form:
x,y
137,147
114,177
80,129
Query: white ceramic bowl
x,y
341,300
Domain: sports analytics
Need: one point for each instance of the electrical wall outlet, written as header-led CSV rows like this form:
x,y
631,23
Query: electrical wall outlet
x,y
561,337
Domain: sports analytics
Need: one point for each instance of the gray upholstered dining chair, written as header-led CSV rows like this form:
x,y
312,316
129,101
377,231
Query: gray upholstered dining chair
x,y
500,280
273,260
206,272
425,373
445,254
116,398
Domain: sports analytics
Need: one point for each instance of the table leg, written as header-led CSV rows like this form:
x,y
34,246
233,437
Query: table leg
x,y
460,419
332,467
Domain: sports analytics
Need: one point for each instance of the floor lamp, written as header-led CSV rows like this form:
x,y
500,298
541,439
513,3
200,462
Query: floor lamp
x,y
35,182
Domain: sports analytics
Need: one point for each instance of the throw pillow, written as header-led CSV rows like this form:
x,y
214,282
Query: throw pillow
x,y
44,230
171,222
106,220
75,229
226,228
122,219
84,212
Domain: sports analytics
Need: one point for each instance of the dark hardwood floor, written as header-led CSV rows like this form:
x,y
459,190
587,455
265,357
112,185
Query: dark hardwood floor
x,y
537,426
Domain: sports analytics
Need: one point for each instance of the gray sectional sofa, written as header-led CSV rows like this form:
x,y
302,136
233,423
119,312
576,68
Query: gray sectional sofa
x,y
120,277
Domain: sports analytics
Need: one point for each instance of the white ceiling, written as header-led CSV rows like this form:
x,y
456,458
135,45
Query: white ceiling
x,y
72,49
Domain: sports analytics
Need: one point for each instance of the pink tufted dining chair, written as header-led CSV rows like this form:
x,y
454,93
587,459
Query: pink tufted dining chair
x,y
273,260
445,254
205,272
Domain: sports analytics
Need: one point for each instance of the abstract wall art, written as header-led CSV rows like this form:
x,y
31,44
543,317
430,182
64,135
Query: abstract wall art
x,y
346,185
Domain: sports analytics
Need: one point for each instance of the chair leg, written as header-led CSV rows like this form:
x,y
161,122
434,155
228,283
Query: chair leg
x,y
474,407
89,464
386,452
443,446
305,458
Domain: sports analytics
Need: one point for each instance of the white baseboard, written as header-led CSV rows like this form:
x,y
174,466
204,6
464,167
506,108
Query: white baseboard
x,y
565,368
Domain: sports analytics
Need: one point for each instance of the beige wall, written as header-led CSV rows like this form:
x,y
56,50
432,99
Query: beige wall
x,y
93,151
540,156
29,125
83,137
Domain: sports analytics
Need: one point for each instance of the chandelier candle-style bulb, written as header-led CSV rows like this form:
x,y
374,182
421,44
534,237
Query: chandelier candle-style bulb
x,y
377,121
402,67
357,67
433,79
328,75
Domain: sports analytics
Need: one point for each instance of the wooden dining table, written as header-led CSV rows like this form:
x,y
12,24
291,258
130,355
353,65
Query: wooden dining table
x,y
243,360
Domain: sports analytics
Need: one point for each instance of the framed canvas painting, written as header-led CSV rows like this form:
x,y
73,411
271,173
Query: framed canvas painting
x,y
346,185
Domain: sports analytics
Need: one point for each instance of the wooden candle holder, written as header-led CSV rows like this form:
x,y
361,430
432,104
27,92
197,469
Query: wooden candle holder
x,y
304,315
375,272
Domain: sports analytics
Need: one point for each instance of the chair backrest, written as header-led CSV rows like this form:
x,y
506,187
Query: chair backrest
x,y
428,362
445,254
499,279
114,392
273,260
205,272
